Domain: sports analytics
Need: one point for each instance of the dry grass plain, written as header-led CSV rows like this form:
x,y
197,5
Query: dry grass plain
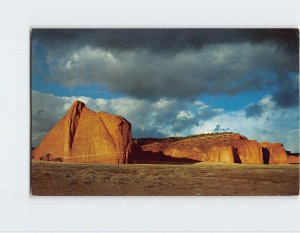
x,y
55,178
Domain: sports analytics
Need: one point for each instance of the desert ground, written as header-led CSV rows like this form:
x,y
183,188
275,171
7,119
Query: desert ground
x,y
57,178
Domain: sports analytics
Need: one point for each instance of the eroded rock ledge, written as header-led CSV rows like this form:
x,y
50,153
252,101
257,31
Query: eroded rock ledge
x,y
217,147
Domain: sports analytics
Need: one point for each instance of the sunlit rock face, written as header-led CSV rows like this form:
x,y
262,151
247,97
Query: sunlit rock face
x,y
293,159
86,136
218,147
275,152
248,151
220,154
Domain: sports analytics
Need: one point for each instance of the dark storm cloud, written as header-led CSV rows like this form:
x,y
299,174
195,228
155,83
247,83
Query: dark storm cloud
x,y
254,110
137,132
219,128
163,39
287,94
46,111
171,63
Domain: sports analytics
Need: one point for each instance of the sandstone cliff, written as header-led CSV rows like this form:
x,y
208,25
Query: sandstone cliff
x,y
219,147
293,159
275,152
86,136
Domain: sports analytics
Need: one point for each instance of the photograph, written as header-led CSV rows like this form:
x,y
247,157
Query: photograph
x,y
164,112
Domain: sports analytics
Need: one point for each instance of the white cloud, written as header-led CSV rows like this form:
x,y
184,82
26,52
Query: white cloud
x,y
185,115
267,102
163,103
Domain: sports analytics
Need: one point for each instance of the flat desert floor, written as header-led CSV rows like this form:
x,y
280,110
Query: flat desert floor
x,y
55,178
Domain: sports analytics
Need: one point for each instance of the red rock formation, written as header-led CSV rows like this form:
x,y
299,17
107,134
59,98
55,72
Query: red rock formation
x,y
222,147
275,152
249,151
86,136
194,153
212,147
221,154
293,159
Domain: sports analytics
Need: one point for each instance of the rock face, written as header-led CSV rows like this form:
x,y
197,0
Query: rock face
x,y
293,159
274,152
220,154
219,147
86,136
247,151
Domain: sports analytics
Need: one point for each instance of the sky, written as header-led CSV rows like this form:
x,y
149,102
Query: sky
x,y
171,82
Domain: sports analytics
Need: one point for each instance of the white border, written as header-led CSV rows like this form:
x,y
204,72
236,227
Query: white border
x,y
19,211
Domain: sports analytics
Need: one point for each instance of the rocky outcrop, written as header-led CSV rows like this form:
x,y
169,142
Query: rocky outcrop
x,y
86,136
248,151
220,154
219,147
293,159
274,152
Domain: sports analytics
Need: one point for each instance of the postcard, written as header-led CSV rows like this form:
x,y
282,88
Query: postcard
x,y
164,112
